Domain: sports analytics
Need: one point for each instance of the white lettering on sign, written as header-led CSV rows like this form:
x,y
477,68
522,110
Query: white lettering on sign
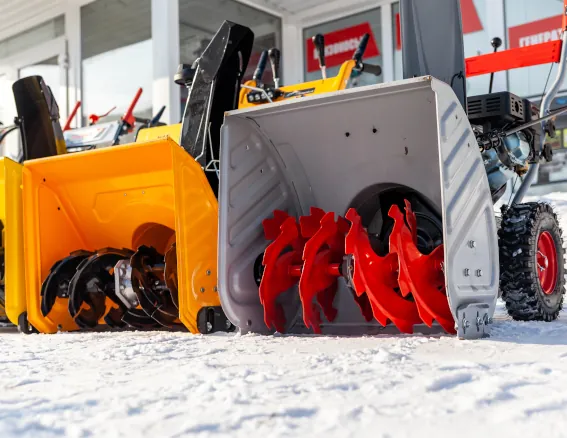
x,y
340,47
542,37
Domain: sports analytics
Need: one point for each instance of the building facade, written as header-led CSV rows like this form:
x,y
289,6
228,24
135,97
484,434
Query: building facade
x,y
101,51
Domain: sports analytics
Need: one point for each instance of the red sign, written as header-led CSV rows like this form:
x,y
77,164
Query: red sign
x,y
340,45
536,32
471,20
469,14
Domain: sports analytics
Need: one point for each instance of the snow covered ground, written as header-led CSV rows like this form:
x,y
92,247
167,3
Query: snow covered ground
x,y
173,385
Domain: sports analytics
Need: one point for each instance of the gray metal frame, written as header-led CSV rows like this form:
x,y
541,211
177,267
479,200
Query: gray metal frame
x,y
545,109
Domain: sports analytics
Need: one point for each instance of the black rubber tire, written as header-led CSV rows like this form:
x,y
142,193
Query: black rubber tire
x,y
24,326
518,237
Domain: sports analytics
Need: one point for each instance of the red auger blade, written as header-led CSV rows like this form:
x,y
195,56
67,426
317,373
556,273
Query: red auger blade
x,y
411,221
281,270
420,275
309,225
376,276
322,256
272,226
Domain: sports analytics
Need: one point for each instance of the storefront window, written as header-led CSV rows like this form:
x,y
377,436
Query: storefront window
x,y
476,40
199,21
117,56
531,22
32,37
341,40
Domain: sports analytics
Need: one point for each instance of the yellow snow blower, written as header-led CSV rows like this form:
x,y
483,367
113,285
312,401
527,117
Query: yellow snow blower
x,y
348,212
41,136
255,92
126,236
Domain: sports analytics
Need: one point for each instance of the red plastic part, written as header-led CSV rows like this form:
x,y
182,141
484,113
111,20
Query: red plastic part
x,y
420,275
322,256
72,116
376,277
281,269
128,116
411,221
94,118
536,54
547,262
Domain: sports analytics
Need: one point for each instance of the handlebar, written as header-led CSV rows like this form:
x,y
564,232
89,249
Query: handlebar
x,y
6,130
372,69
128,116
360,65
261,67
72,116
359,53
94,118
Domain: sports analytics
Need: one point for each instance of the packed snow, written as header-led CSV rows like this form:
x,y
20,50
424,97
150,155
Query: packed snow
x,y
173,384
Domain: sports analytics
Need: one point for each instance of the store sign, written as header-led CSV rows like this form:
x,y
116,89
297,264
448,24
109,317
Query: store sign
x,y
470,18
340,45
535,32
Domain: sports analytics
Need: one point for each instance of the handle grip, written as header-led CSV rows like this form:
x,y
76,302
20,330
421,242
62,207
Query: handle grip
x,y
155,119
359,53
319,43
496,42
275,57
372,69
261,67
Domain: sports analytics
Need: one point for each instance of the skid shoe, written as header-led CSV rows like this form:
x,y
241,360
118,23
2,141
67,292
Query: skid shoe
x,y
405,287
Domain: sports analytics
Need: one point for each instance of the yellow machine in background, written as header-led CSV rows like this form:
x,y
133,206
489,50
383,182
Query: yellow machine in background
x,y
42,137
254,92
159,133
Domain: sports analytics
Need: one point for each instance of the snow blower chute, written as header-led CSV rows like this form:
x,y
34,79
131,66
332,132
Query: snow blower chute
x,y
127,236
345,212
41,136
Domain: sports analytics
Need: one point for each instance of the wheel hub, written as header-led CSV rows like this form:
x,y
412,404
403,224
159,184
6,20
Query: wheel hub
x,y
547,262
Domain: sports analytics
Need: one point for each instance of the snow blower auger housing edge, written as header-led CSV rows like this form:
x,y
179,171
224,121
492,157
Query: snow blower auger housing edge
x,y
373,206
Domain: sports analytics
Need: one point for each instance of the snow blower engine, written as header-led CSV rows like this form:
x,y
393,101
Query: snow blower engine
x,y
345,212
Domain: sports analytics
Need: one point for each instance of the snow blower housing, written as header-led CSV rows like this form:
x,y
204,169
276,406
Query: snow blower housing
x,y
376,207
